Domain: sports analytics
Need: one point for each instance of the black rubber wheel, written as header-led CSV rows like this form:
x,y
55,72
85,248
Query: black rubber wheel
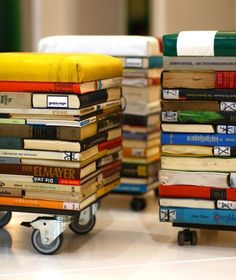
x,y
79,228
194,238
181,238
45,249
5,217
138,204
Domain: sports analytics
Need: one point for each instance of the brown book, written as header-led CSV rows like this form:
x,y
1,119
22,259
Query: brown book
x,y
141,152
15,99
11,192
191,105
189,79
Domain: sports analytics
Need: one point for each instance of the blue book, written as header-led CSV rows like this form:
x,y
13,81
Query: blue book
x,y
8,142
199,139
135,136
131,188
198,216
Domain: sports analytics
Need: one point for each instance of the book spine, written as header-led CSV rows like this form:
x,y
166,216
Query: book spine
x,y
11,142
10,192
134,120
41,171
198,216
205,117
226,129
93,98
189,191
199,139
131,188
106,189
199,94
134,152
38,203
225,79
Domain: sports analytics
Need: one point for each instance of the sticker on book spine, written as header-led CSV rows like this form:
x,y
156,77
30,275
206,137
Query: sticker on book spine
x,y
71,156
224,204
167,215
225,129
222,151
70,206
196,43
56,101
133,62
228,106
169,116
170,93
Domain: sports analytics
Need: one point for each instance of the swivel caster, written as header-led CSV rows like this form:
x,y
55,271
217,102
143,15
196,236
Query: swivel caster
x,y
187,236
138,203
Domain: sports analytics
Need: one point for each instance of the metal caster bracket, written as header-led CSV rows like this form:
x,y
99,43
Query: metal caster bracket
x,y
50,227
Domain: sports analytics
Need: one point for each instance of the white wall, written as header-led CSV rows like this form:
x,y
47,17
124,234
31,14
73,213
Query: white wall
x,y
169,16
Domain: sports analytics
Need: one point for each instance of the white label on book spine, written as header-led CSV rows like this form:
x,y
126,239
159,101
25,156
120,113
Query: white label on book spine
x,y
70,206
170,94
228,106
138,152
224,204
133,62
167,215
196,43
225,129
169,116
56,101
222,151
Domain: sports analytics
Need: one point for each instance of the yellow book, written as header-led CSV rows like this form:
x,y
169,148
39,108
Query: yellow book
x,y
68,68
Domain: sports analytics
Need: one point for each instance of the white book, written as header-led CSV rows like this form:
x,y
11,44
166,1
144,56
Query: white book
x,y
116,45
197,178
187,203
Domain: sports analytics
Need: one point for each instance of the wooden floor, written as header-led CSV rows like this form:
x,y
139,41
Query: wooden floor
x,y
123,245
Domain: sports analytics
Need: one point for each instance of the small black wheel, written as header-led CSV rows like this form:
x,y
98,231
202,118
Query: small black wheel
x,y
138,203
5,217
45,249
181,238
194,238
80,228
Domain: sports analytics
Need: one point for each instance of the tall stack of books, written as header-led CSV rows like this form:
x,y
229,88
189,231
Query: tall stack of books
x,y
142,62
60,129
198,163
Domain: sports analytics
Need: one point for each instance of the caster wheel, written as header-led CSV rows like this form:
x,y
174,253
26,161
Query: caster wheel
x,y
80,228
138,203
45,249
181,238
194,238
5,217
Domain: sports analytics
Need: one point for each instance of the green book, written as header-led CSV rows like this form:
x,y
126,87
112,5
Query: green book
x,y
200,43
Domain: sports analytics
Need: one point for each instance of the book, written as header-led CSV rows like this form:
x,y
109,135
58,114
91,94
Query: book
x,y
198,216
10,192
192,151
140,82
141,129
223,63
134,188
182,105
142,95
142,61
217,164
117,45
199,79
140,170
140,152
74,101
154,73
142,160
111,168
190,128
143,109
78,88
189,191
197,178
107,188
204,117
200,139
46,204
200,43
224,94
15,100
139,120
39,171
60,68
141,136
187,203
138,181
140,143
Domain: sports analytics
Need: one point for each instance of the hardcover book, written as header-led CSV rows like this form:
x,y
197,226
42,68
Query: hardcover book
x,y
187,203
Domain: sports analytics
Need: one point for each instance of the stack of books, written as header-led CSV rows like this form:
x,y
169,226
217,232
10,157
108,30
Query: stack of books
x,y
198,163
141,57
60,129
